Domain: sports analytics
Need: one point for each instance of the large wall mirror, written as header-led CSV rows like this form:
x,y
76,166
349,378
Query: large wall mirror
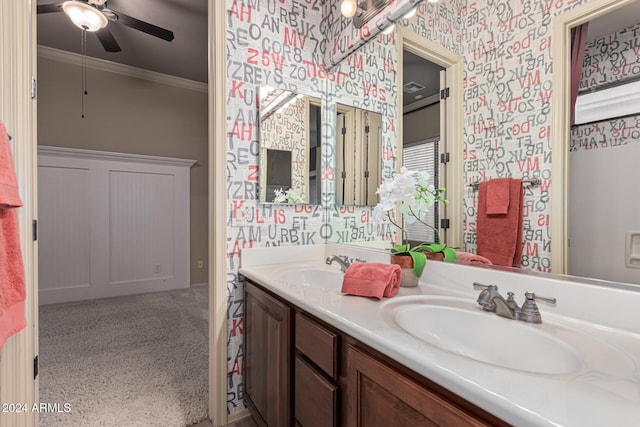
x,y
597,237
290,141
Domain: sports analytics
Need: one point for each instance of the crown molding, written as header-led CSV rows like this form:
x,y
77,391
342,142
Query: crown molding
x,y
80,153
424,102
126,70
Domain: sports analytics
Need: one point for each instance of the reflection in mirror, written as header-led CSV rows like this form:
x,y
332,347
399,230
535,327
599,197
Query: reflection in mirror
x,y
289,147
277,172
603,152
358,151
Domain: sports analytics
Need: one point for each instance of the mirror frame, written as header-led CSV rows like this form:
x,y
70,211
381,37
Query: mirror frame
x,y
560,118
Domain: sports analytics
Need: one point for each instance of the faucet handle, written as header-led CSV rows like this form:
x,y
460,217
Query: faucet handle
x,y
529,312
480,286
533,296
485,299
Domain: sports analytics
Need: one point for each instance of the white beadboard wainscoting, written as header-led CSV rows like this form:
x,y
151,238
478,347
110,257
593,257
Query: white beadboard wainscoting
x,y
111,224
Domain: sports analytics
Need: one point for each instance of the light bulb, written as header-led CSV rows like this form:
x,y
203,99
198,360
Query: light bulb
x,y
348,8
411,13
389,29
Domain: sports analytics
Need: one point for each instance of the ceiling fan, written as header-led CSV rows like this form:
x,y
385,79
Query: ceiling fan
x,y
93,15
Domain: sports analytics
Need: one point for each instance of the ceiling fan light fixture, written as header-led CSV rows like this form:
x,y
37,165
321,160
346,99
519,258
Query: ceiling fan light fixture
x,y
84,16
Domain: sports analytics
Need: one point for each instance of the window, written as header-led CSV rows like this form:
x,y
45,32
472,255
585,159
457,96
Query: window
x,y
423,155
612,102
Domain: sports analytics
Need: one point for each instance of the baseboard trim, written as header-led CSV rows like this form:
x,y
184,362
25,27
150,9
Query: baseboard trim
x,y
200,284
238,416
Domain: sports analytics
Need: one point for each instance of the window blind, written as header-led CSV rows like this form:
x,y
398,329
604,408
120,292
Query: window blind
x,y
423,155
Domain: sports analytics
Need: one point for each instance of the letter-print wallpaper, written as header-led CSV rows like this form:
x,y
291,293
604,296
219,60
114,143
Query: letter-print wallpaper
x,y
506,46
508,66
276,43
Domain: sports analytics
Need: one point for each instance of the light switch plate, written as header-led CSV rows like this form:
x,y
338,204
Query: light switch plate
x,y
632,249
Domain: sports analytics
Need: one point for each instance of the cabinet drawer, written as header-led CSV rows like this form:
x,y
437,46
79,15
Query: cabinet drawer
x,y
316,398
319,344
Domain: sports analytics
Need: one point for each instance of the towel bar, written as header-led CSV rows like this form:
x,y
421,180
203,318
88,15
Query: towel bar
x,y
530,181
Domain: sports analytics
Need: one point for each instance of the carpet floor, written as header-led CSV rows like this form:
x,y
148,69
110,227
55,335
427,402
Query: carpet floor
x,y
138,360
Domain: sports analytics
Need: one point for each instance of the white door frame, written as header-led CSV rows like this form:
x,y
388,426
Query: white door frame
x,y
452,130
18,112
217,213
560,120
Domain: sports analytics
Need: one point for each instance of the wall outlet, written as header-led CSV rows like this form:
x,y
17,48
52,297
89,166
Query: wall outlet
x,y
157,268
200,263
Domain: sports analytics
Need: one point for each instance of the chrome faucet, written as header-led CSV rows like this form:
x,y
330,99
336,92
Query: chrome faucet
x,y
343,260
491,300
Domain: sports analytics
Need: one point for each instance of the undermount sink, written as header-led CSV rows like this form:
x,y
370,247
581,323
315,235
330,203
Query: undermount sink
x,y
317,277
460,327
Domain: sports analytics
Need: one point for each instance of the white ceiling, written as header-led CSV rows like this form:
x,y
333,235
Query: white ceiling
x,y
185,56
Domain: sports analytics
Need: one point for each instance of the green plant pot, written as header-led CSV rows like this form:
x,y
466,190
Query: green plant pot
x,y
409,279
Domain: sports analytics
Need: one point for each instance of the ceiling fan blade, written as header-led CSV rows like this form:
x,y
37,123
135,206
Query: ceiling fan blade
x,y
108,42
144,26
48,8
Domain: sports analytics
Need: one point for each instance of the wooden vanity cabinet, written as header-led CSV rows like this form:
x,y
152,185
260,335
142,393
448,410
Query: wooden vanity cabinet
x,y
267,357
377,395
300,371
316,401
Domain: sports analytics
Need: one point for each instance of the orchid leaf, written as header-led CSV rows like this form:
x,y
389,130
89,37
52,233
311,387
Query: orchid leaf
x,y
450,255
436,247
401,249
419,261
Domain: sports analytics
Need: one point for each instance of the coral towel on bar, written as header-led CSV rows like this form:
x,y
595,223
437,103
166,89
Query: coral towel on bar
x,y
372,279
499,236
472,258
12,290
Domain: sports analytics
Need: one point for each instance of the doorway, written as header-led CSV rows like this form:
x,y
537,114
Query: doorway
x,y
421,107
138,119
432,124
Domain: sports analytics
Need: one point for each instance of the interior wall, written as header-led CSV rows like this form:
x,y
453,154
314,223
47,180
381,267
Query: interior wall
x,y
130,115
280,44
421,124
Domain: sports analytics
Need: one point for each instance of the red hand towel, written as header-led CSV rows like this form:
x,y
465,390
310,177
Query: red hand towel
x,y
12,290
472,258
499,237
498,196
372,279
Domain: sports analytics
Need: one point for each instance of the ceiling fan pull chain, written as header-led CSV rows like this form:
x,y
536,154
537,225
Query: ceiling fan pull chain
x,y
84,67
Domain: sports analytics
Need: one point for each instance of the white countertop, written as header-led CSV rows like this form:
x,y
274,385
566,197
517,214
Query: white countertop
x,y
604,392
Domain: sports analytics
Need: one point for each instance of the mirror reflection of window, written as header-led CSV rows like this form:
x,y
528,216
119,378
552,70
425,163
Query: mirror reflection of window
x,y
278,172
358,159
423,156
315,129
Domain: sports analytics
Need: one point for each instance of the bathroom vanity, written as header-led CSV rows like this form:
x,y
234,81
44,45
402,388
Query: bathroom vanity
x,y
301,371
430,355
